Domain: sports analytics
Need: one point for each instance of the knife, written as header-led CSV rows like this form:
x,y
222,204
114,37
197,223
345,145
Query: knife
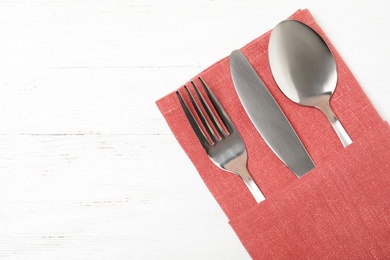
x,y
267,116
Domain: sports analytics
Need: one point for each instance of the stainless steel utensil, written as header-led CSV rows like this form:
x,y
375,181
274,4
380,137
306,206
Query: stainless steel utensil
x,y
304,69
267,116
225,149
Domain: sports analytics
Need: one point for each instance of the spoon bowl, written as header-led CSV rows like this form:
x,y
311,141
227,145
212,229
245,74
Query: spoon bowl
x,y
304,69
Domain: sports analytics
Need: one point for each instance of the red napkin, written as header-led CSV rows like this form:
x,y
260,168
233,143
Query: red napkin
x,y
341,209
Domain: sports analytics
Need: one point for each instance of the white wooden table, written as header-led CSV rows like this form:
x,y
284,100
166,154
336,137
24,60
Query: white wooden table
x,y
88,167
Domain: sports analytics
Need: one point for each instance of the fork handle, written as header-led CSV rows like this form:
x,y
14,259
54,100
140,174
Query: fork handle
x,y
250,183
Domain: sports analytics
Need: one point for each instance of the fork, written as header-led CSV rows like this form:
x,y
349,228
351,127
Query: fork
x,y
223,145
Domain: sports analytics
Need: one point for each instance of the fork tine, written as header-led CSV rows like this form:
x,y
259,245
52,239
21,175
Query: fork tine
x,y
220,111
209,112
201,116
194,124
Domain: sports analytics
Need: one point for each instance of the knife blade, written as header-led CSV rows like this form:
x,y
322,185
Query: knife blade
x,y
267,116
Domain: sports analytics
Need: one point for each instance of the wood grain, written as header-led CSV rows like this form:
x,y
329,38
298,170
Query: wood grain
x,y
88,167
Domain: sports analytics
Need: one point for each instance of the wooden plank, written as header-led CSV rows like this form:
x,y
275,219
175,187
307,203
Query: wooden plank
x,y
88,167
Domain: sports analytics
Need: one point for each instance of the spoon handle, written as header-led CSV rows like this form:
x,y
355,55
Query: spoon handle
x,y
340,131
337,126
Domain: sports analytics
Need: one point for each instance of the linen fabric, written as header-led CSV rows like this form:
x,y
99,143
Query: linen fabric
x,y
340,209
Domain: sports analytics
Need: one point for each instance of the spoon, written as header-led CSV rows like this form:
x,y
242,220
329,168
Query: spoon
x,y
304,69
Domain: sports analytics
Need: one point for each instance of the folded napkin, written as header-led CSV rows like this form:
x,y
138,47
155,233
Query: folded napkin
x,y
340,209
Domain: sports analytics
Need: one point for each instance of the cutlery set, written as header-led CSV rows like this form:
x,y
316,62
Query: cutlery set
x,y
313,196
303,68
